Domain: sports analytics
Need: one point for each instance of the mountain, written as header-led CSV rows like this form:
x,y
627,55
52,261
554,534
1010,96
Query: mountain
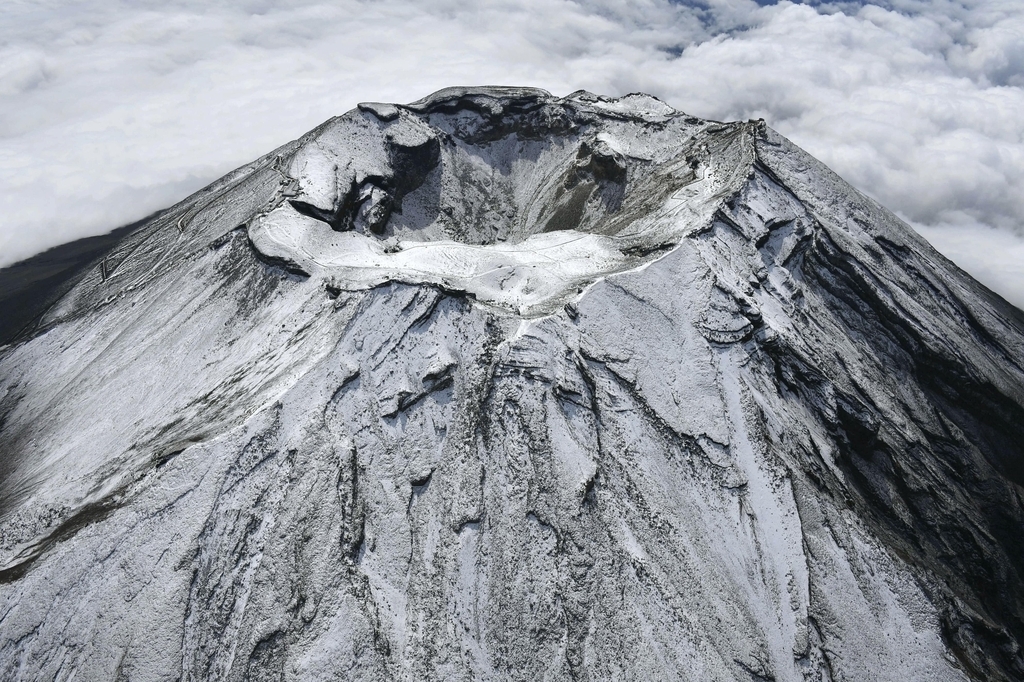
x,y
503,386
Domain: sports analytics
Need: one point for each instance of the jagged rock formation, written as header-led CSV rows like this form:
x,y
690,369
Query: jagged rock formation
x,y
502,386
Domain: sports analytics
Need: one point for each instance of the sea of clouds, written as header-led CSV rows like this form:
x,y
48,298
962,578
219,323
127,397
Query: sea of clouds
x,y
110,110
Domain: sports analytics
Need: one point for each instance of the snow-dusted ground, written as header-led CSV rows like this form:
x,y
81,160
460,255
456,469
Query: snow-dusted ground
x,y
502,386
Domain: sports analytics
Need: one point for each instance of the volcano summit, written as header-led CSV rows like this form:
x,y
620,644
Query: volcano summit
x,y
503,386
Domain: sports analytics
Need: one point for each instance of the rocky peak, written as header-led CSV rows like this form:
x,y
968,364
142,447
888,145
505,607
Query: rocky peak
x,y
500,385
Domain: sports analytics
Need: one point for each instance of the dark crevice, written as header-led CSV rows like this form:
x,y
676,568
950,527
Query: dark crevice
x,y
314,212
643,251
418,488
68,528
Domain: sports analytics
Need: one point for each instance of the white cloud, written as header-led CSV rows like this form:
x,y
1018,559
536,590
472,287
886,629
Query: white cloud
x,y
110,110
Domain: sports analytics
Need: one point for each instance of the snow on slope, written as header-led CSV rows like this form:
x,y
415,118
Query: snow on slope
x,y
498,385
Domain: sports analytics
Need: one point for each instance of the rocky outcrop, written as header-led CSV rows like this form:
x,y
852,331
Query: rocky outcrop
x,y
499,385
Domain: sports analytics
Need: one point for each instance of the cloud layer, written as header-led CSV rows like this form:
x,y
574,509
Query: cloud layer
x,y
111,110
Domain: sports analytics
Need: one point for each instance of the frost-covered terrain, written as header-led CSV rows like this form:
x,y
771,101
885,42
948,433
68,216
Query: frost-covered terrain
x,y
502,386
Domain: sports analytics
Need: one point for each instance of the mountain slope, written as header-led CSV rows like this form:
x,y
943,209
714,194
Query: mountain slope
x,y
498,385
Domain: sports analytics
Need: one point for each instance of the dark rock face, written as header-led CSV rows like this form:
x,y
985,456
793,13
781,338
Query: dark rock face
x,y
498,385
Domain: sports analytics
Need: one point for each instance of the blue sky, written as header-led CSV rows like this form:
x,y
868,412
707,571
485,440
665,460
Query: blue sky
x,y
112,109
